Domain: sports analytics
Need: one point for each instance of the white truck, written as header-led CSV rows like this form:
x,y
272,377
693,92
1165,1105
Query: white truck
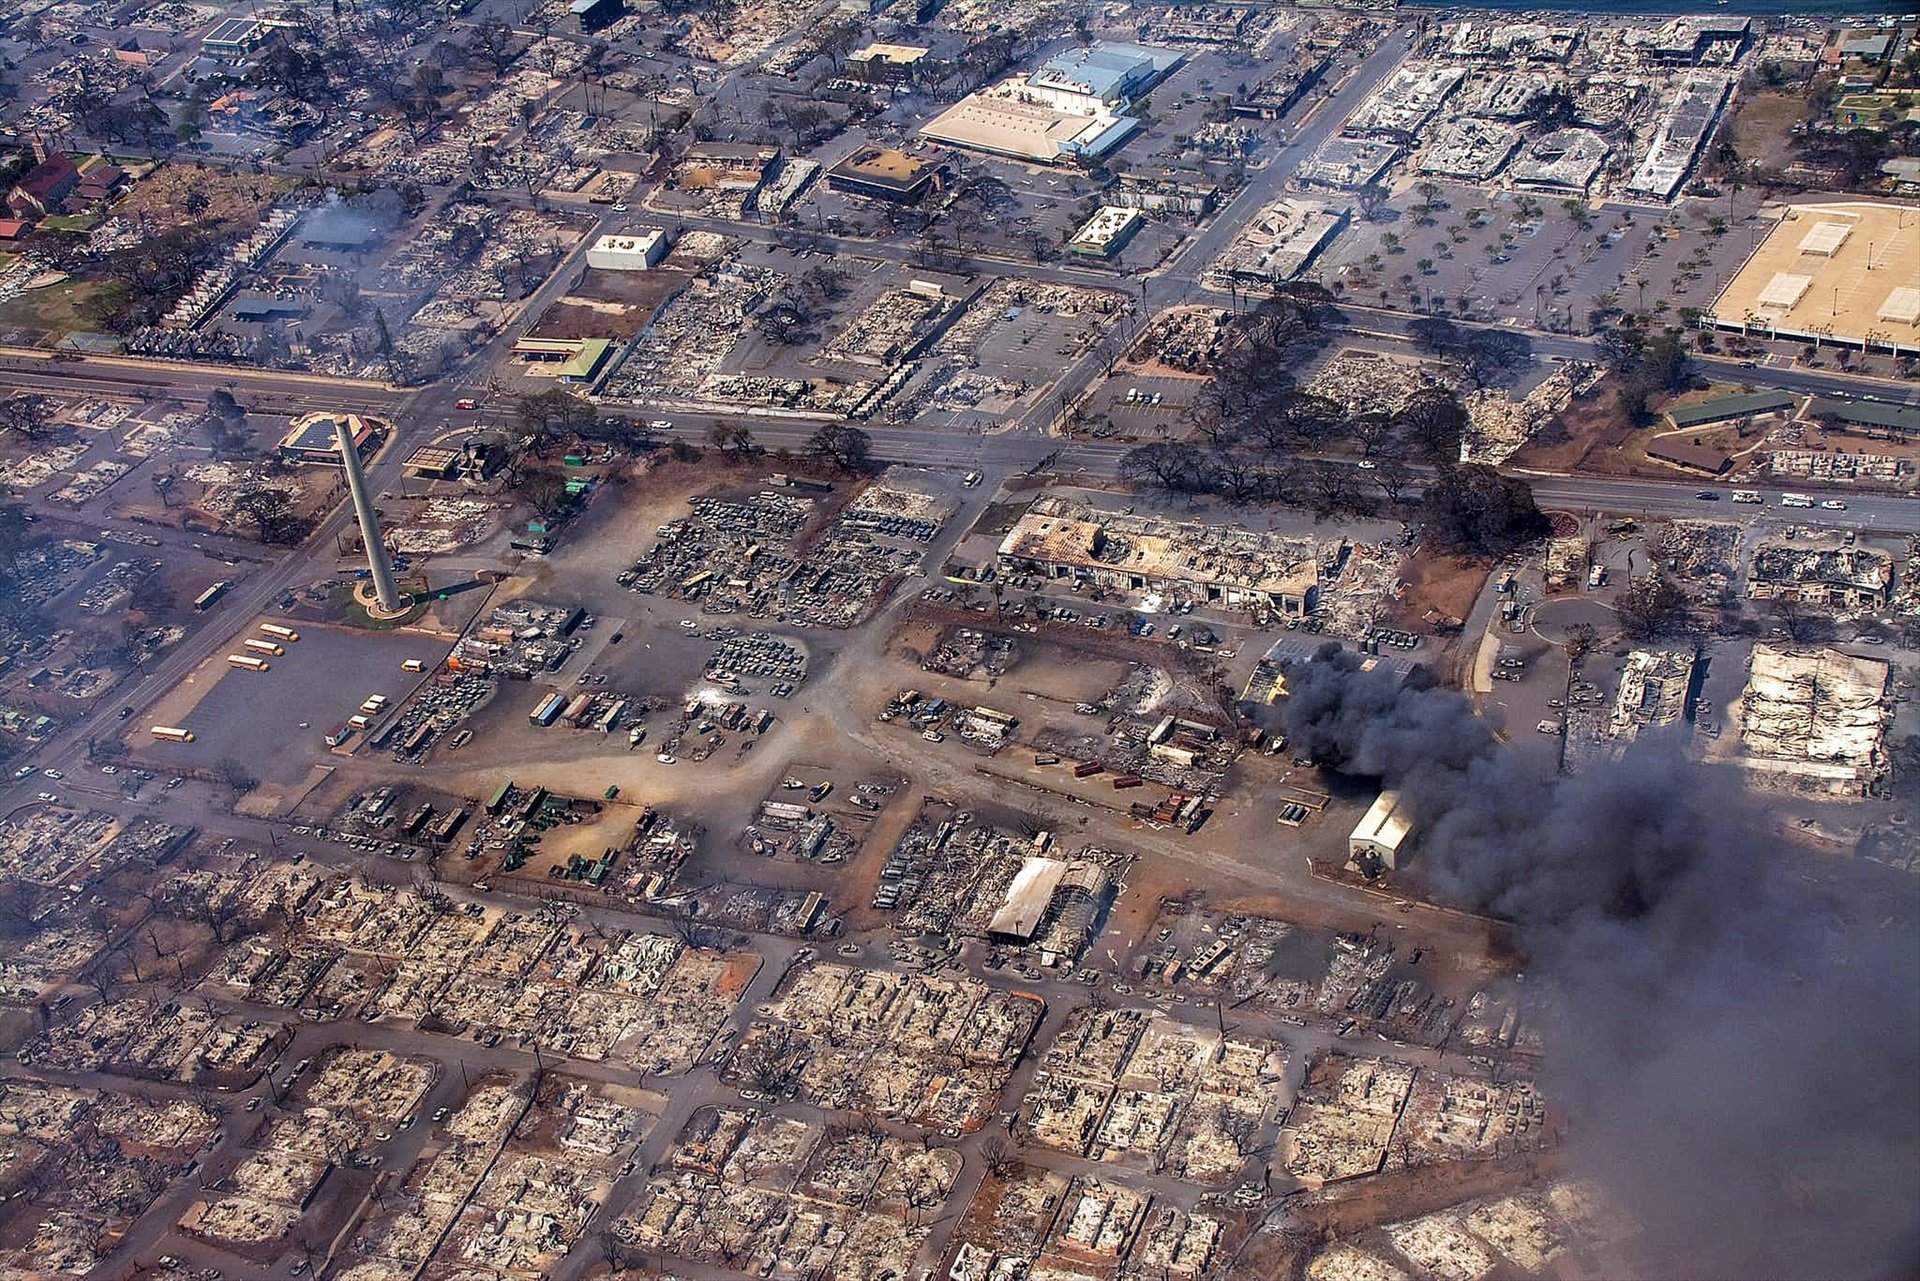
x,y
1795,500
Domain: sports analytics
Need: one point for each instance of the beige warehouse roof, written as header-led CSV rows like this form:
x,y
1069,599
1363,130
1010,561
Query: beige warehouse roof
x,y
1027,898
1009,127
1385,824
1855,279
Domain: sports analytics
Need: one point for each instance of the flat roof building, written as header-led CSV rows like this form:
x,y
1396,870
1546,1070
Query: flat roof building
x,y
1106,233
314,438
1073,106
1110,72
886,64
1845,273
235,37
1007,126
889,174
595,14
570,360
635,252
1380,835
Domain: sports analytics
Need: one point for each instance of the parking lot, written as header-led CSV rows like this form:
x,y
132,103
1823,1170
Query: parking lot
x,y
267,720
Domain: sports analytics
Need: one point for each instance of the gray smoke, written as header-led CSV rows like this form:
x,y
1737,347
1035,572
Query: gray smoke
x,y
1738,1056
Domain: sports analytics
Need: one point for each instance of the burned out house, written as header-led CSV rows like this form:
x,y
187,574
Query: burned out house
x,y
1825,571
1138,554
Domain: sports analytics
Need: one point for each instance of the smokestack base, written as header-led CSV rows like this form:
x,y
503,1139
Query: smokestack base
x,y
367,597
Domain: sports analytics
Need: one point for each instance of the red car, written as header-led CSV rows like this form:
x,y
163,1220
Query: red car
x,y
467,403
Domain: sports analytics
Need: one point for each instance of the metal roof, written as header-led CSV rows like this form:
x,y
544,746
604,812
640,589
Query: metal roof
x,y
1874,413
1027,897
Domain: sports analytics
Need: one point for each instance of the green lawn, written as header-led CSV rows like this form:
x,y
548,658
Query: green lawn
x,y
59,308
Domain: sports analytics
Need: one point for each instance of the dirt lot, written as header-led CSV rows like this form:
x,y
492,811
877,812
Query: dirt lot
x,y
610,304
1438,586
1581,439
1762,123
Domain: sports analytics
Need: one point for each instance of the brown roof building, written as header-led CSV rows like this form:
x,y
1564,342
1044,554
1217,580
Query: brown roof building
x,y
1689,456
45,188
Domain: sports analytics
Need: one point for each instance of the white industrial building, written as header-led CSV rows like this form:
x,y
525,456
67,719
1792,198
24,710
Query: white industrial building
x,y
1073,106
635,252
1380,835
1106,233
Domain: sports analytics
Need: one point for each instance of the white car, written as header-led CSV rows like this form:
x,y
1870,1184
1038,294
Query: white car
x,y
1365,464
1834,505
659,424
667,758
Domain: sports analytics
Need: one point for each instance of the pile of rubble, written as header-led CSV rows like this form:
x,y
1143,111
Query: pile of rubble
x,y
1702,556
693,334
1365,383
1190,340
969,654
1840,466
1499,424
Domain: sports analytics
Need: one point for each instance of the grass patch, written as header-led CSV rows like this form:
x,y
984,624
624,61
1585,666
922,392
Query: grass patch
x,y
353,614
62,308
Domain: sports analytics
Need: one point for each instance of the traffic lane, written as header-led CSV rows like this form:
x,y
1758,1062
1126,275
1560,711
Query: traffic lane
x,y
1870,512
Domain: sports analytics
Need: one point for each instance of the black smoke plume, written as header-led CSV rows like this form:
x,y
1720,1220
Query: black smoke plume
x,y
1738,1055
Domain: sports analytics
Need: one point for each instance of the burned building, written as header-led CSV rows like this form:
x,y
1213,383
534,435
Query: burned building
x,y
1653,692
1827,571
1814,719
1051,889
1057,539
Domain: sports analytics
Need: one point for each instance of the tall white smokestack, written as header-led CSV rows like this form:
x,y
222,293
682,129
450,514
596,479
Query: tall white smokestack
x,y
384,592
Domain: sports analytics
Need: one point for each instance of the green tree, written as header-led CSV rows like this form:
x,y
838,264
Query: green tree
x,y
554,413
1475,510
845,447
